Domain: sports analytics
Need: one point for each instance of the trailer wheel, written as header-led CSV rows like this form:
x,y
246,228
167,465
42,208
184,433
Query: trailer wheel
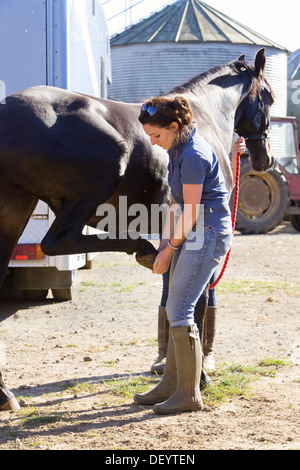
x,y
62,295
263,199
295,221
35,294
66,293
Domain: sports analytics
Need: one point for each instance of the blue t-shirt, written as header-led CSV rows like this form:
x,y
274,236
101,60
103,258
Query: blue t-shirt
x,y
194,162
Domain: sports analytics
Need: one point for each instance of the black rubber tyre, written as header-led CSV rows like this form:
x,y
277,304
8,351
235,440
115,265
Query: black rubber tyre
x,y
295,221
66,293
62,295
263,199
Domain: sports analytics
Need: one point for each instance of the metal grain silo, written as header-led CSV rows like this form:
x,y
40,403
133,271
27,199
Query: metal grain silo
x,y
293,75
183,40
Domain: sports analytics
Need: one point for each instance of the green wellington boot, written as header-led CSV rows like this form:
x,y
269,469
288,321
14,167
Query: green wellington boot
x,y
166,386
158,366
188,355
208,343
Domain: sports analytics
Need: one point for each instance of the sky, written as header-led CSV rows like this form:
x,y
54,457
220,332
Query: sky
x,y
278,21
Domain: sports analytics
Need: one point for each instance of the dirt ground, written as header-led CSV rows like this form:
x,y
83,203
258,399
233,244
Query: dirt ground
x,y
108,333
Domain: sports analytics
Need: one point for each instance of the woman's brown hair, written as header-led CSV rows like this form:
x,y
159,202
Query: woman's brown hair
x,y
162,111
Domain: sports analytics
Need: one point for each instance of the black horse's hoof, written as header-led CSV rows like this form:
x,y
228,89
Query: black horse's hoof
x,y
7,398
146,257
10,405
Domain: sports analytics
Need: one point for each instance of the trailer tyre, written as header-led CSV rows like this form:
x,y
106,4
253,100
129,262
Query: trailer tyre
x,y
263,199
62,295
66,293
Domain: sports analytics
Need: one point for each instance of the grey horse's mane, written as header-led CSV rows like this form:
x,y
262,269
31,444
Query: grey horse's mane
x,y
234,67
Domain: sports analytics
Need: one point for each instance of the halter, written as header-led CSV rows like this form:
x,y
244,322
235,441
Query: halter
x,y
260,123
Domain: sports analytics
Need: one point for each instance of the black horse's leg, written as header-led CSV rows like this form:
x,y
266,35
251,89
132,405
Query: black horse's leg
x,y
65,236
15,210
7,398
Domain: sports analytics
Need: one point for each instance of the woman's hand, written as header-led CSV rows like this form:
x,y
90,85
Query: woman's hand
x,y
163,260
239,146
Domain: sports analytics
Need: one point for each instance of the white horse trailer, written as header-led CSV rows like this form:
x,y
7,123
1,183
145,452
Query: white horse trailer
x,y
61,43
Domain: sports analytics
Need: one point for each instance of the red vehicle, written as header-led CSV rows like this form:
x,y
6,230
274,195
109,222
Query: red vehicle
x,y
266,198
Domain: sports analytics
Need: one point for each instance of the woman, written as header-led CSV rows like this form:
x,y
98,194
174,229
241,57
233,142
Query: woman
x,y
205,310
194,240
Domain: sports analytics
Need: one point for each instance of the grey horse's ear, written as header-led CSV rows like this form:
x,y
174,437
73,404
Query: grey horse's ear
x,y
242,58
260,62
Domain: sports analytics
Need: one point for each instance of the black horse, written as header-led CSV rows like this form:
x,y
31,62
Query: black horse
x,y
76,152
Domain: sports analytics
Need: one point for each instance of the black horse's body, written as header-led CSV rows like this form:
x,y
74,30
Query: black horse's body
x,y
76,152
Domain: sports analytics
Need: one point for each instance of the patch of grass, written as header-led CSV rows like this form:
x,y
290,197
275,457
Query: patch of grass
x,y
233,379
262,369
80,387
109,363
229,384
40,442
116,284
85,284
270,361
31,417
120,288
88,283
257,287
128,387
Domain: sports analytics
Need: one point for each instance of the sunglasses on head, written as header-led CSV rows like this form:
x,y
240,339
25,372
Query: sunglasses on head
x,y
151,110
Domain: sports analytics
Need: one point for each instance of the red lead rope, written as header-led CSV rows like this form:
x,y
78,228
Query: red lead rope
x,y
235,206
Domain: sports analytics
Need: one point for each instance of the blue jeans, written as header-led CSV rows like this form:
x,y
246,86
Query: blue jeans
x,y
212,298
190,272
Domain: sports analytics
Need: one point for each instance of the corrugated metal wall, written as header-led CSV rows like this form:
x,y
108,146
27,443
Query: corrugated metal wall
x,y
293,87
144,70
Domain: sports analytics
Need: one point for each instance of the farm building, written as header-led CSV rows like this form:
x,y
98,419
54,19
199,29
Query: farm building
x,y
181,41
